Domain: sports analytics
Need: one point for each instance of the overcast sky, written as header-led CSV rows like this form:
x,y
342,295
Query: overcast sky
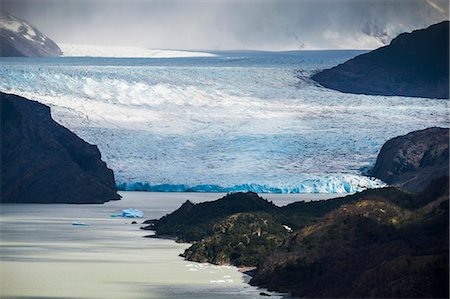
x,y
221,25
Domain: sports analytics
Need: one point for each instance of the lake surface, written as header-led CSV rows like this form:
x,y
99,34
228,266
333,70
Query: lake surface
x,y
42,255
237,121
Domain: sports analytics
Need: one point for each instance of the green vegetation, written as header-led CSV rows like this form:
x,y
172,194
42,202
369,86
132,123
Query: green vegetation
x,y
240,239
372,247
193,222
223,231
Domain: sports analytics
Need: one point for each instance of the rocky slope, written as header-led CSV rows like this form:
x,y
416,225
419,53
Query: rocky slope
x,y
414,64
377,243
43,162
414,160
242,229
18,38
193,222
375,247
242,239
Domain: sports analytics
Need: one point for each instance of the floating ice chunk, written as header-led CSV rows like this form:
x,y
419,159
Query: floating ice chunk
x,y
217,281
129,213
132,213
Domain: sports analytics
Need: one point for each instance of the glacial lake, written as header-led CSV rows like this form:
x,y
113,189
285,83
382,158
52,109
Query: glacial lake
x,y
42,255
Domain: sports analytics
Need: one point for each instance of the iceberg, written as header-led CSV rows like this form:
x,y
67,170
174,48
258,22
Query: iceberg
x,y
130,213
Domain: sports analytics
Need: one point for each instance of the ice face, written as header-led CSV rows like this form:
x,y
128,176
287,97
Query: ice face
x,y
301,184
235,122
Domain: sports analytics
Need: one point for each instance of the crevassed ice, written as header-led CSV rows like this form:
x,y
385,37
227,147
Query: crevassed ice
x,y
222,124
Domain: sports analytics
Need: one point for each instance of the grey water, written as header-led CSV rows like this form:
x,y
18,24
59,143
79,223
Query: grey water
x,y
43,255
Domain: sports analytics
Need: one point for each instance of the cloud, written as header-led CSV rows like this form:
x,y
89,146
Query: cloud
x,y
267,24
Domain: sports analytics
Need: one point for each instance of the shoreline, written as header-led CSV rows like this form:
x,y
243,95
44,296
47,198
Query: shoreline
x,y
140,267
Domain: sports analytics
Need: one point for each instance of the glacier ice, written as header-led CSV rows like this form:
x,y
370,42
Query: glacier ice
x,y
78,50
253,123
311,184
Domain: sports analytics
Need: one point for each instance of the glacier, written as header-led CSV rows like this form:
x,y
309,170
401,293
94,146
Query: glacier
x,y
79,50
311,184
238,121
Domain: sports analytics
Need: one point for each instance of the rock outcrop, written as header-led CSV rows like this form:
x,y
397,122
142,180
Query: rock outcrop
x,y
43,162
412,161
18,38
193,222
414,64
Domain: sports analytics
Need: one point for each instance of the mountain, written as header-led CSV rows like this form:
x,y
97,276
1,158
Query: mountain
x,y
242,229
412,161
19,38
375,247
192,222
414,64
242,239
43,162
376,243
247,239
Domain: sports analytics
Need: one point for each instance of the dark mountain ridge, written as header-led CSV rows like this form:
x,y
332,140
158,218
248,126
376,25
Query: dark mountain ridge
x,y
372,248
43,162
19,38
414,65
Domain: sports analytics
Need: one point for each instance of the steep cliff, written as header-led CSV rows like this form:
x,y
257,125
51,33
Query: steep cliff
x,y
43,162
414,64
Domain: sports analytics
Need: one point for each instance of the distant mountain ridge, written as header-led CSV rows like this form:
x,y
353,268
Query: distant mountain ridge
x,y
43,162
415,64
19,38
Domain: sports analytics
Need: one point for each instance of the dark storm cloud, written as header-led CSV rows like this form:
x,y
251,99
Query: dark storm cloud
x,y
274,25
